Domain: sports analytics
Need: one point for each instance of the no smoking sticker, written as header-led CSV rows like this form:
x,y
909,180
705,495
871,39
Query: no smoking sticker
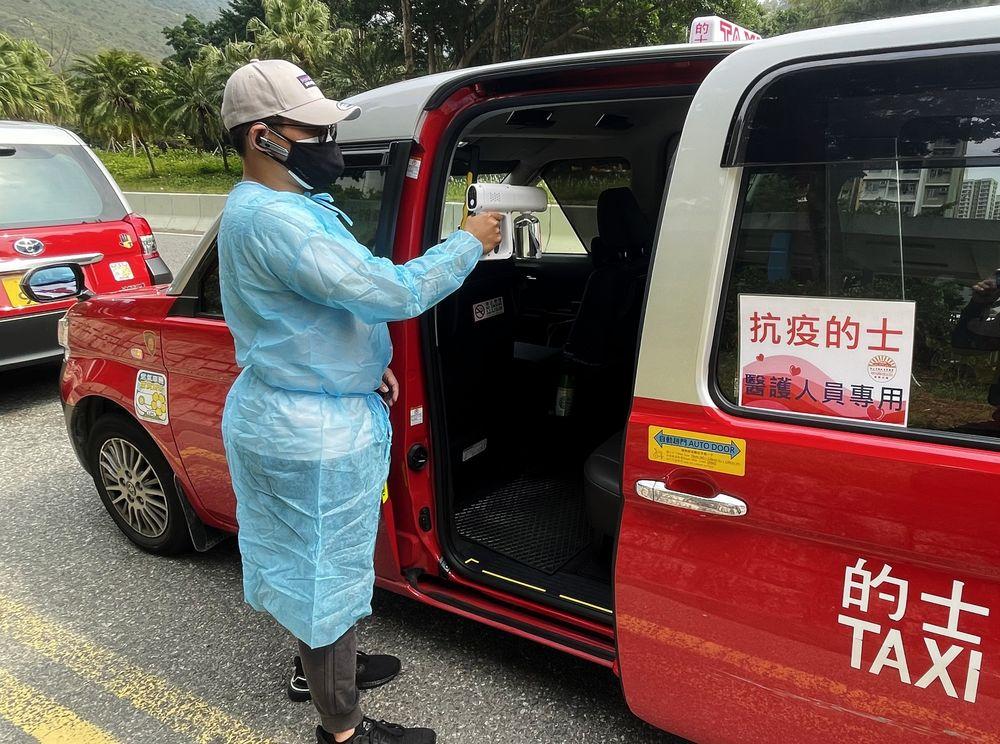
x,y
487,309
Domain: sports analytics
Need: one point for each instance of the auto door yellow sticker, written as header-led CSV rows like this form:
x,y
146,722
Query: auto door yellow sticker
x,y
695,450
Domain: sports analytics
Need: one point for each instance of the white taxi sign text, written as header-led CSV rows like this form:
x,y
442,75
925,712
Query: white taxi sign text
x,y
712,28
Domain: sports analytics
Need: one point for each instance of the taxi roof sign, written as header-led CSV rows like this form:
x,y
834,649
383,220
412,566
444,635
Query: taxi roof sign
x,y
713,28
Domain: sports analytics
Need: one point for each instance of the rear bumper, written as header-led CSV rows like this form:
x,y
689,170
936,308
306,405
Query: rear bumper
x,y
158,271
29,339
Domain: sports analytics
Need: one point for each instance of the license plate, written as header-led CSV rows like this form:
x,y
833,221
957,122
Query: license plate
x,y
122,271
12,286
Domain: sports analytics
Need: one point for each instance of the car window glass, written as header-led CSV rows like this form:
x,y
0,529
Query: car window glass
x,y
575,186
358,192
925,231
210,302
53,185
936,107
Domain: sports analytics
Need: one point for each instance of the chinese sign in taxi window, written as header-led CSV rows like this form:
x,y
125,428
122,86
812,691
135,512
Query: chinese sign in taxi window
x,y
838,358
870,205
826,263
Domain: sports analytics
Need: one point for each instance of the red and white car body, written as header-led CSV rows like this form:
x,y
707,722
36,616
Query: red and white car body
x,y
777,576
59,203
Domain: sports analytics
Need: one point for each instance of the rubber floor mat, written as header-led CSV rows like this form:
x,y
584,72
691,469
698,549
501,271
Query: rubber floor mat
x,y
537,521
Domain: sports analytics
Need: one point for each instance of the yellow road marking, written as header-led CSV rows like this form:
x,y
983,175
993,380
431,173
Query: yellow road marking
x,y
512,581
471,560
178,709
43,718
586,604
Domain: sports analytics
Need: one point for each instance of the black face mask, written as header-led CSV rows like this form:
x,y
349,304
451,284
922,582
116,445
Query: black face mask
x,y
316,164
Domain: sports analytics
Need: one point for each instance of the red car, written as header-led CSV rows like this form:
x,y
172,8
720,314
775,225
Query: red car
x,y
59,203
723,415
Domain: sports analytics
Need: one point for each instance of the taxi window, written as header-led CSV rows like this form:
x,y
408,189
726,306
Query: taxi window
x,y
903,205
210,294
574,186
360,192
53,185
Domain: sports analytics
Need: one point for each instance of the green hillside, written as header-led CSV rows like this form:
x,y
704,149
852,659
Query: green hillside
x,y
71,27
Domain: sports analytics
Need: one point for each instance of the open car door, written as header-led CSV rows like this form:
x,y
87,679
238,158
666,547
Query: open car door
x,y
808,545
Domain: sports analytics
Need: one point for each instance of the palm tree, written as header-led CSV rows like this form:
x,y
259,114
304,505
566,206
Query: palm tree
x,y
224,60
191,101
29,88
296,30
362,61
118,92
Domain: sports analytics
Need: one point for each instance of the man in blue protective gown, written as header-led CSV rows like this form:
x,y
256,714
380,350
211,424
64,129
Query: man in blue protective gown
x,y
306,425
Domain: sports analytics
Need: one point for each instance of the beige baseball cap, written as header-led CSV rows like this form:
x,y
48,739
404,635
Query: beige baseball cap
x,y
275,87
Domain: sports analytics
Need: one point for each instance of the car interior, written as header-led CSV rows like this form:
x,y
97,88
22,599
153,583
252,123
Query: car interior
x,y
534,393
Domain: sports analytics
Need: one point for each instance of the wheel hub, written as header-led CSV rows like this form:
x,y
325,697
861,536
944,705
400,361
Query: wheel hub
x,y
134,488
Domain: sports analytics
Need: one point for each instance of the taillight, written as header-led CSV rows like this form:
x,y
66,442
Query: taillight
x,y
146,238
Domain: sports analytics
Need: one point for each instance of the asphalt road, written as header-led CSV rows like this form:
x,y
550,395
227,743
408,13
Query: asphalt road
x,y
117,645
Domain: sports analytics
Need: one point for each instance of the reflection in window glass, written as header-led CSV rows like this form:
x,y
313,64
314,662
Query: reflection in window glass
x,y
53,185
945,107
840,231
359,193
211,291
879,179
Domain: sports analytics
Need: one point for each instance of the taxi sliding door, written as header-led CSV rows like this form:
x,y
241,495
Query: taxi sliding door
x,y
809,541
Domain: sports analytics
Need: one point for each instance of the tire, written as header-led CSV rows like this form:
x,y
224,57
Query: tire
x,y
136,485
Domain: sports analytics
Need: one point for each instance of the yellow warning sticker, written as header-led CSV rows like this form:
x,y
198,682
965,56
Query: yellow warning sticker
x,y
695,450
385,493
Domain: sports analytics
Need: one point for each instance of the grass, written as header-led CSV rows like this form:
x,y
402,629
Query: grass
x,y
183,171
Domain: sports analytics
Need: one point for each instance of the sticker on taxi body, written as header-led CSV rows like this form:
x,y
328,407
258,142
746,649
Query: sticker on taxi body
x,y
151,397
696,450
121,271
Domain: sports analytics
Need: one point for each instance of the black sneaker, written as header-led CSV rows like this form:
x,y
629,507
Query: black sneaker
x,y
380,732
373,671
298,687
376,670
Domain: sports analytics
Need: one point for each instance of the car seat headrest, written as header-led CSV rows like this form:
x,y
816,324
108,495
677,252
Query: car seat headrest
x,y
623,230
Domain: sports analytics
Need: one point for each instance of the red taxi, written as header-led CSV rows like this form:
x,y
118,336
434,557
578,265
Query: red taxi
x,y
741,437
58,203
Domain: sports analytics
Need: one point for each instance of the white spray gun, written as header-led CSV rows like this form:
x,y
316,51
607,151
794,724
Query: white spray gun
x,y
521,231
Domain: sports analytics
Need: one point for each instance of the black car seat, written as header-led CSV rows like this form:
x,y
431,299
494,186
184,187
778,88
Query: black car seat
x,y
620,254
600,347
602,493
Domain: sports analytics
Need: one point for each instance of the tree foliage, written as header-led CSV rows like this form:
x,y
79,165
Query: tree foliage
x,y
798,15
118,93
355,45
29,87
296,30
190,103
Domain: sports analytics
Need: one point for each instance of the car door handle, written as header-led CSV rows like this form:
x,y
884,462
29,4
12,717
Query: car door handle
x,y
721,504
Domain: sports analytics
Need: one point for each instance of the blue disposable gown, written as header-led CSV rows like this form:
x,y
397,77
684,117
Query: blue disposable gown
x,y
307,439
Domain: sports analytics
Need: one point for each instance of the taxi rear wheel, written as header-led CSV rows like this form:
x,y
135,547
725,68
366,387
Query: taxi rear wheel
x,y
136,485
